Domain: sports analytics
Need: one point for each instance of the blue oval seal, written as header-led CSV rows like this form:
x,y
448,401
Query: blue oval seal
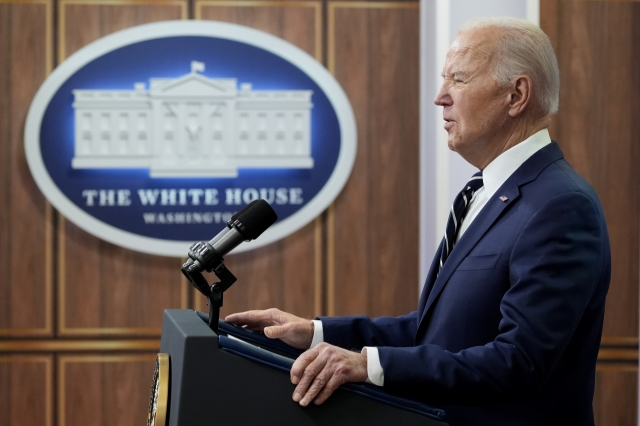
x,y
152,137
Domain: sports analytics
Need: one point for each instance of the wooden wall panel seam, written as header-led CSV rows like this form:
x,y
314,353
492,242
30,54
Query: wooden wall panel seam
x,y
49,265
62,14
618,354
49,259
62,328
68,359
88,331
45,2
317,5
48,249
375,4
331,265
318,262
58,345
47,360
617,367
619,341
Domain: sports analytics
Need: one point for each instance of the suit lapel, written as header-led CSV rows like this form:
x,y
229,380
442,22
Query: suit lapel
x,y
489,214
428,284
482,223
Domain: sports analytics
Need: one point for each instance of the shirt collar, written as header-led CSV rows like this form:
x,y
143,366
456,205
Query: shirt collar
x,y
503,166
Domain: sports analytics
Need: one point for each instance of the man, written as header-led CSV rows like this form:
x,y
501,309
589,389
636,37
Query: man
x,y
509,322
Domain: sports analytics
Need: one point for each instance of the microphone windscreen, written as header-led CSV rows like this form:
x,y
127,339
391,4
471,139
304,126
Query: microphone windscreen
x,y
254,219
239,212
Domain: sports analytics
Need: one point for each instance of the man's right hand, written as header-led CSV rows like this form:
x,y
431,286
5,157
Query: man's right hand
x,y
275,324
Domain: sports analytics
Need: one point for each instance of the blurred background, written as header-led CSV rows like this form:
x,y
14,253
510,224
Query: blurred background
x,y
80,319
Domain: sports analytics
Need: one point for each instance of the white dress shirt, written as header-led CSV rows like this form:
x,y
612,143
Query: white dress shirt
x,y
493,176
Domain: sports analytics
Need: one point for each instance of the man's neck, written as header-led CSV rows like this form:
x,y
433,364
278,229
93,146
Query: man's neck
x,y
518,133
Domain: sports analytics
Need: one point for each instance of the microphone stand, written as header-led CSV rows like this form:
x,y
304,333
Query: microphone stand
x,y
203,256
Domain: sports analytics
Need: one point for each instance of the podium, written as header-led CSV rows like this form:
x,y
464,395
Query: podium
x,y
240,377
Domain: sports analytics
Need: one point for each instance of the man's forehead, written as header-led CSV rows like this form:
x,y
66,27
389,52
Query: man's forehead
x,y
472,45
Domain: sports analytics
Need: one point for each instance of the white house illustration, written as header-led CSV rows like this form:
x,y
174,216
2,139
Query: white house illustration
x,y
192,126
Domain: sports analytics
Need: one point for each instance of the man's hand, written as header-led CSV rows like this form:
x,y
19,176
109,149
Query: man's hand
x,y
320,371
293,330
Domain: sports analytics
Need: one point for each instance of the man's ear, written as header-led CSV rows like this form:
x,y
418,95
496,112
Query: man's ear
x,y
521,95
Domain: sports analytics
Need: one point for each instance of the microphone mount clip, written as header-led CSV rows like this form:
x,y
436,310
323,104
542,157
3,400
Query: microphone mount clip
x,y
203,257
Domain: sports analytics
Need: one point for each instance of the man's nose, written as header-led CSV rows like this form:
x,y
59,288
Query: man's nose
x,y
442,98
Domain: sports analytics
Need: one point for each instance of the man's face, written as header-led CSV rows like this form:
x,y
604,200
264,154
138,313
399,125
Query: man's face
x,y
475,107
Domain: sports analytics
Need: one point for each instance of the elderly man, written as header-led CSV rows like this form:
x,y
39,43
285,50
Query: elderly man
x,y
509,322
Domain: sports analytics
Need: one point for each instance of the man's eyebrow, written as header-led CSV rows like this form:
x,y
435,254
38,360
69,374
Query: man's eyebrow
x,y
454,74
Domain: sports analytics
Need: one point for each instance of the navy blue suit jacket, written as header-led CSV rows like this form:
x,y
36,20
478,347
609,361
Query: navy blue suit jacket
x,y
508,333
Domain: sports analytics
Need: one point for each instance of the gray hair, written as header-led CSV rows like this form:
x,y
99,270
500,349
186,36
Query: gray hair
x,y
524,49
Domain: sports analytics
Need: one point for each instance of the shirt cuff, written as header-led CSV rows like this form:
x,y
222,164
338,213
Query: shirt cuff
x,y
318,334
374,368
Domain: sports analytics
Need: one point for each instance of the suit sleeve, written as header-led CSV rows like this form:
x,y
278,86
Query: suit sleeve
x,y
558,270
355,332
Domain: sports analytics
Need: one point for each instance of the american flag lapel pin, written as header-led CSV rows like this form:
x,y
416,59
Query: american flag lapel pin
x,y
504,198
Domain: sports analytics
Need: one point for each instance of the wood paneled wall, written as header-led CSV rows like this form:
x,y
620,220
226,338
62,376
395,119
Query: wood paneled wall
x,y
598,128
105,289
26,252
78,341
80,318
287,273
373,226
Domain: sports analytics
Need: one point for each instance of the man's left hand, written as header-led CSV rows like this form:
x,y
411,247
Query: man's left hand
x,y
320,371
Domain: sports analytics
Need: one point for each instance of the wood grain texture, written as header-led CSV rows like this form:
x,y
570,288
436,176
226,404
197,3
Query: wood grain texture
x,y
616,395
373,251
373,234
597,127
105,289
25,217
84,21
283,274
78,345
104,389
298,22
26,390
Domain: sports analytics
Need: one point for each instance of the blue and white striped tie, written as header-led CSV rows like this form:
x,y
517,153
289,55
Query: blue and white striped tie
x,y
458,212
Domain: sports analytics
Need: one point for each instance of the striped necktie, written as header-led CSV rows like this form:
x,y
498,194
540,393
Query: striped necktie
x,y
458,212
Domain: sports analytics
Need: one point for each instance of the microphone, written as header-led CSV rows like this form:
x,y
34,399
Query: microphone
x,y
245,225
